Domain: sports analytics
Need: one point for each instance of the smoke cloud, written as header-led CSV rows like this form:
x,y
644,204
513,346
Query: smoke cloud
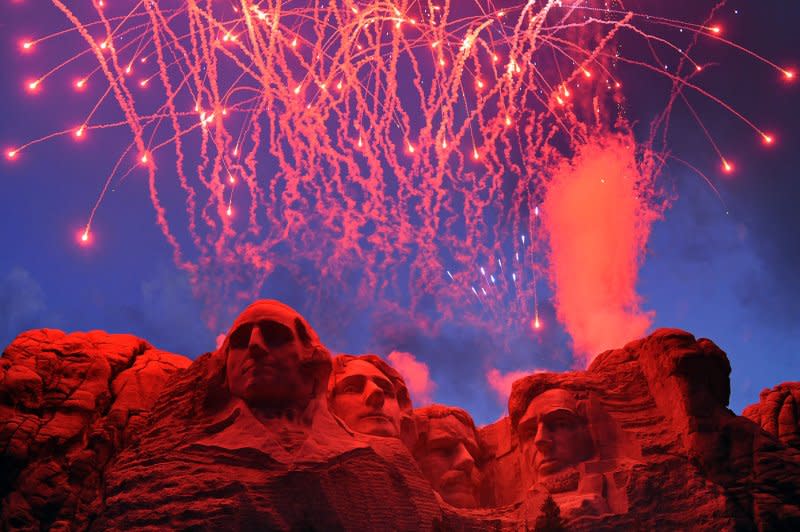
x,y
500,383
597,213
417,376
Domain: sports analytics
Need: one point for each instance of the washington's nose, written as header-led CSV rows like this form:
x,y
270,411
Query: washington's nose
x,y
257,339
375,395
463,459
543,440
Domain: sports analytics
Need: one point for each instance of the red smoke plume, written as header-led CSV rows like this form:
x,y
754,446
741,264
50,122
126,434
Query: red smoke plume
x,y
416,374
597,212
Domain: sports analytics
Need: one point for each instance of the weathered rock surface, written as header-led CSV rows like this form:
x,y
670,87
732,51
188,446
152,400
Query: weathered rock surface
x,y
681,458
90,441
777,411
68,403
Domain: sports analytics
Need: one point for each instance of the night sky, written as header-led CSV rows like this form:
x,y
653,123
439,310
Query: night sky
x,y
728,276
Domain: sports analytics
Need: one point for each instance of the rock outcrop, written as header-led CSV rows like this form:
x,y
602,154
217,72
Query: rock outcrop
x,y
68,404
102,431
778,412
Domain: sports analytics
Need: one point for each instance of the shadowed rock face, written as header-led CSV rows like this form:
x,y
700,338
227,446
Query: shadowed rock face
x,y
448,453
778,413
68,404
104,431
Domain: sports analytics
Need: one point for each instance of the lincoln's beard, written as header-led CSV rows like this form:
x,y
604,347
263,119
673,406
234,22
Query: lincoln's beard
x,y
566,480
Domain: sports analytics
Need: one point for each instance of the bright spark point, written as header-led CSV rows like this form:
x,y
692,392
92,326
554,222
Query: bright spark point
x,y
33,85
80,83
587,74
27,45
229,211
768,139
231,179
11,154
727,167
716,29
788,74
85,237
536,323
475,155
410,148
79,131
144,159
143,83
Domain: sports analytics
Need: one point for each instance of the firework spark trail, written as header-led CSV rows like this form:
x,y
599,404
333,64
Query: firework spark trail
x,y
383,151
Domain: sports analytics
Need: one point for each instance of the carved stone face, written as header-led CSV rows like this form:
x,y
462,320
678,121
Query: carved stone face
x,y
447,460
263,365
365,399
552,434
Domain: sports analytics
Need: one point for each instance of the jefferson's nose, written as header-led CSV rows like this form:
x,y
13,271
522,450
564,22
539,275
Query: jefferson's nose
x,y
375,395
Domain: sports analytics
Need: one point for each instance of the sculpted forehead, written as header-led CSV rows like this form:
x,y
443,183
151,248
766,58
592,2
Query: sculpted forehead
x,y
549,402
266,312
360,367
449,428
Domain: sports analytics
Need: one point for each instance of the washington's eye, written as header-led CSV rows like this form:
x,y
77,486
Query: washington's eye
x,y
275,334
240,338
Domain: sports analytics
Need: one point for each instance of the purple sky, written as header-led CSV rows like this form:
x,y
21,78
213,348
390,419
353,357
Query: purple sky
x,y
729,277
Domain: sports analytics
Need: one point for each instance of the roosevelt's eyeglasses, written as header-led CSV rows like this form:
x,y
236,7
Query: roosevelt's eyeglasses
x,y
274,334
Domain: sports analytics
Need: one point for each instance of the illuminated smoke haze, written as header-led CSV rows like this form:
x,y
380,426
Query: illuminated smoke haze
x,y
597,214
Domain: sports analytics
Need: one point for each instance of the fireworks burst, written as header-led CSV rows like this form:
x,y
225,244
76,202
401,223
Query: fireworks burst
x,y
364,147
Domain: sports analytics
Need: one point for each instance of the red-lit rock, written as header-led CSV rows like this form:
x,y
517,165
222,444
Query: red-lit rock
x,y
650,442
68,403
216,455
778,412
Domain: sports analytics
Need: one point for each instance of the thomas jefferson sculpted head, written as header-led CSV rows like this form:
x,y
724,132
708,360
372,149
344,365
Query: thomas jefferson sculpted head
x,y
369,396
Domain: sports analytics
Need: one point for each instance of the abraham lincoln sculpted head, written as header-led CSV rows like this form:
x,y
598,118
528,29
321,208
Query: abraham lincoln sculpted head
x,y
274,360
369,396
553,431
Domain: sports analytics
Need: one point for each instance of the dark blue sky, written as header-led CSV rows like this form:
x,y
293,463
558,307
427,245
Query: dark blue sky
x,y
729,277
